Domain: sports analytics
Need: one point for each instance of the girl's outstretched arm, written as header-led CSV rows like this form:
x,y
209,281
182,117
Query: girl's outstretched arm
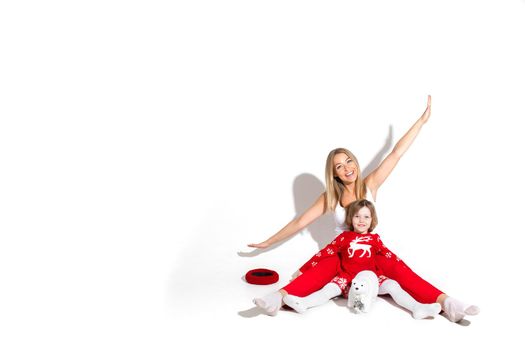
x,y
311,214
376,178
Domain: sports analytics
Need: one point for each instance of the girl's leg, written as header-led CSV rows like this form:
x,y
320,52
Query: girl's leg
x,y
402,298
322,296
307,283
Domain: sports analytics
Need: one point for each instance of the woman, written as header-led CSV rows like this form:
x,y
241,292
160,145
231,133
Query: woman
x,y
344,185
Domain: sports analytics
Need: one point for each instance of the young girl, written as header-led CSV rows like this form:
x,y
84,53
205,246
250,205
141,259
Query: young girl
x,y
357,250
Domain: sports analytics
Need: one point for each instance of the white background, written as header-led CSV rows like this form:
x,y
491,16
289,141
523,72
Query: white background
x,y
144,144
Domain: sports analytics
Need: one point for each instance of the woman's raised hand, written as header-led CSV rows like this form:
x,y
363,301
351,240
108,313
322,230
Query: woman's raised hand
x,y
426,113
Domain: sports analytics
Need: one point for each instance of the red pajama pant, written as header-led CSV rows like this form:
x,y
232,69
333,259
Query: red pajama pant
x,y
316,278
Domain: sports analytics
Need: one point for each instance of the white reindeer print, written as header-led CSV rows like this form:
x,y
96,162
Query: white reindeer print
x,y
356,245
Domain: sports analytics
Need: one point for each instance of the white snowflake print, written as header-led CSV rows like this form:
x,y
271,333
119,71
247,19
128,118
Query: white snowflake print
x,y
330,251
388,255
341,282
382,278
314,263
342,239
333,242
319,254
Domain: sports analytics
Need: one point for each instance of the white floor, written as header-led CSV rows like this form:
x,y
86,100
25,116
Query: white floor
x,y
143,144
219,311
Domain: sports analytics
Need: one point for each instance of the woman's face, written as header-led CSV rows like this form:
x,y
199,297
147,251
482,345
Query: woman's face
x,y
362,220
345,168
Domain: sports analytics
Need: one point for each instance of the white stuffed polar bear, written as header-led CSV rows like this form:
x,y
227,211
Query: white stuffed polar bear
x,y
363,291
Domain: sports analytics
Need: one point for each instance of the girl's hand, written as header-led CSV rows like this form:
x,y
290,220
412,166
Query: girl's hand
x,y
261,245
426,113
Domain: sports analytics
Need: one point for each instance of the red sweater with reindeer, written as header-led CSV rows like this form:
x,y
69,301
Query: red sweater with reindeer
x,y
357,252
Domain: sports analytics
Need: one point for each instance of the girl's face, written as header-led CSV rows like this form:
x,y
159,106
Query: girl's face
x,y
362,220
345,168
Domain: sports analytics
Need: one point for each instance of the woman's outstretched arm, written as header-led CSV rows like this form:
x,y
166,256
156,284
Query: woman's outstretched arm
x,y
376,178
297,224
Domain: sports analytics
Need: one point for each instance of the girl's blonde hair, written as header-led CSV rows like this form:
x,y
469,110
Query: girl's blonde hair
x,y
334,186
354,207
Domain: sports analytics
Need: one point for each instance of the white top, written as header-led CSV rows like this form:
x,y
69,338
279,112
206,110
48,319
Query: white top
x,y
340,214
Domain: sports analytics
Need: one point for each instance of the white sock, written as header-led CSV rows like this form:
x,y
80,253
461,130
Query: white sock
x,y
402,298
422,311
296,303
322,296
270,303
455,310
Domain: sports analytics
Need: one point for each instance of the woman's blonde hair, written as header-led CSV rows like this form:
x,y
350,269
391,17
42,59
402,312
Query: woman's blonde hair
x,y
334,186
354,207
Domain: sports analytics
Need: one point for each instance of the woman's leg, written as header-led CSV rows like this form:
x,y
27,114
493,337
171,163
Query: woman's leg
x,y
322,296
270,303
402,298
314,278
307,283
423,291
414,285
456,310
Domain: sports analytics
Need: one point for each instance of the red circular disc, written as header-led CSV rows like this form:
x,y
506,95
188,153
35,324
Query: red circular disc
x,y
261,276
